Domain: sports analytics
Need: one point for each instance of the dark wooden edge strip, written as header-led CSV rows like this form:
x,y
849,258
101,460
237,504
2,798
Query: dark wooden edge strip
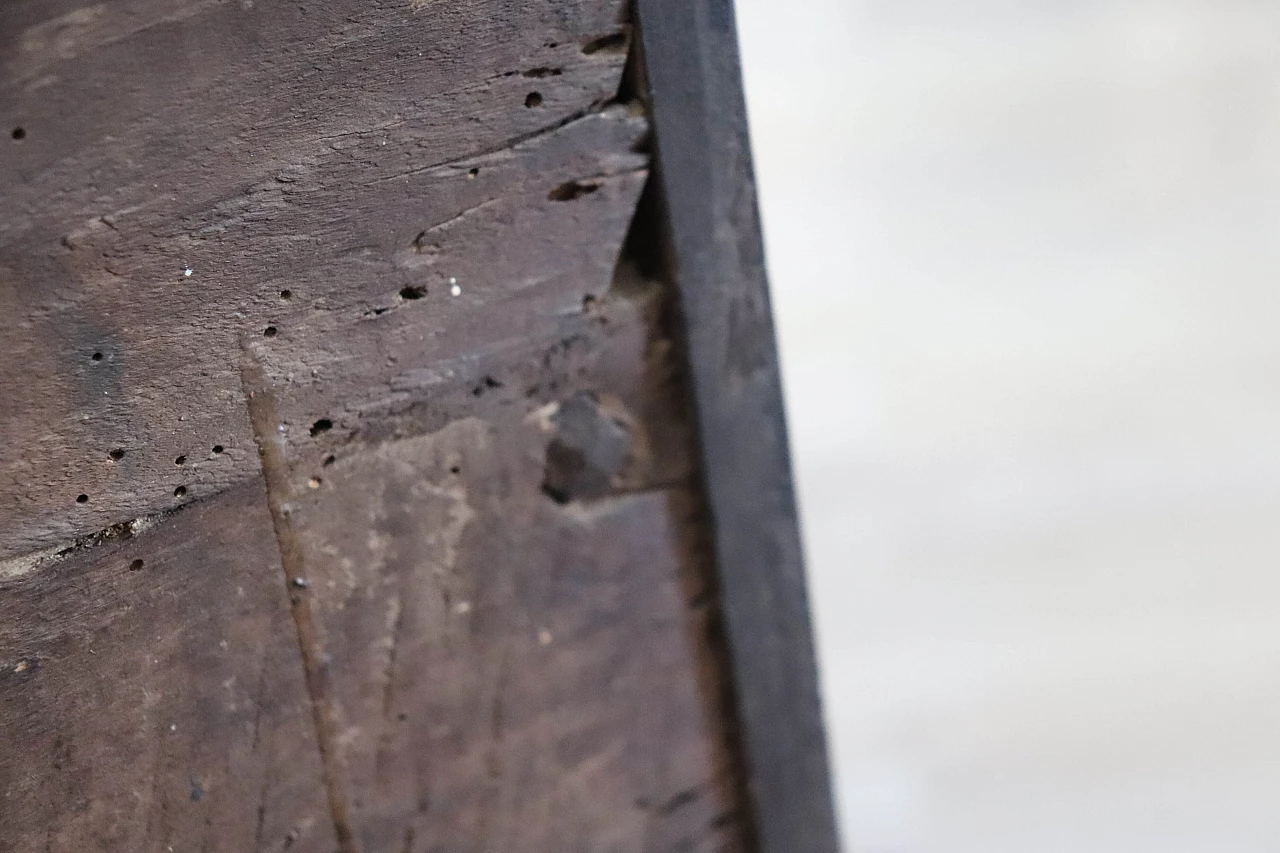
x,y
716,255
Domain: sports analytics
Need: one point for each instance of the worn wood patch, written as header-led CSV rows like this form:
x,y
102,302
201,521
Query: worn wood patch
x,y
508,588
151,694
501,663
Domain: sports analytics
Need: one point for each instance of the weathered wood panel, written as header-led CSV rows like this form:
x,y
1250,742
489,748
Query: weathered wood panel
x,y
329,297
500,662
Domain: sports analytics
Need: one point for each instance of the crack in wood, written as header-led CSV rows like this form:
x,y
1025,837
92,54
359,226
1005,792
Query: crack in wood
x,y
25,564
509,144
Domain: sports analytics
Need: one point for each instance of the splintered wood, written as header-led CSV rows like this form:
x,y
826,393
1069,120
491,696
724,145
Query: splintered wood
x,y
348,495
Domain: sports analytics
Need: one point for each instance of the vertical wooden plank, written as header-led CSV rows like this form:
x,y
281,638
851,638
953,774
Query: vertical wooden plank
x,y
704,165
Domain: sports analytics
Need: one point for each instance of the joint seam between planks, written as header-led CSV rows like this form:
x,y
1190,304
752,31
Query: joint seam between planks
x,y
266,432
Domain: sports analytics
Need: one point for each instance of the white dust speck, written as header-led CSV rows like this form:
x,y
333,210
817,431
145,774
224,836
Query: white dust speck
x,y
454,287
187,271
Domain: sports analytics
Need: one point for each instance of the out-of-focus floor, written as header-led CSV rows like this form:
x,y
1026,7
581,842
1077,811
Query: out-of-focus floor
x,y
1026,266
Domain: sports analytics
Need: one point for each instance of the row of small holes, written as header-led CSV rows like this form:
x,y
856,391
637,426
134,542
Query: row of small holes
x,y
177,493
118,454
182,460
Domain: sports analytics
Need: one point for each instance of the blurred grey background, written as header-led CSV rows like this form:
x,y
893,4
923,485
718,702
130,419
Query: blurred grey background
x,y
1024,258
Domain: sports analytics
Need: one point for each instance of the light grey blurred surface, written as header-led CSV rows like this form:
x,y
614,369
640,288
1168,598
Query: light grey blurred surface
x,y
1025,263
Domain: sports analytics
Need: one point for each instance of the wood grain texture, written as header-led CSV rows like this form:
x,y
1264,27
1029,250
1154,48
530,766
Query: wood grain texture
x,y
339,318
267,148
717,258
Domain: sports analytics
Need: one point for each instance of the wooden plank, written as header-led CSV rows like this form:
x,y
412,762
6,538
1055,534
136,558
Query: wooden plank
x,y
151,694
717,257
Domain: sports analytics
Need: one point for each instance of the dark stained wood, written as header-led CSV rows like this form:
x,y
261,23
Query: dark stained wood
x,y
708,189
328,314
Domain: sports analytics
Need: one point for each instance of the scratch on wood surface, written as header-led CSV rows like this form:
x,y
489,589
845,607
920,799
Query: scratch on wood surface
x,y
396,626
268,780
515,143
261,822
267,430
440,226
258,697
